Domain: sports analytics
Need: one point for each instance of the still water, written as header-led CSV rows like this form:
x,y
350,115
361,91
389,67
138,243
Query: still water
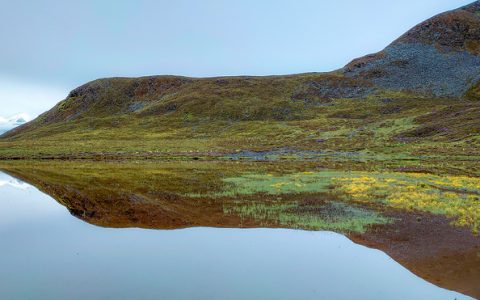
x,y
46,253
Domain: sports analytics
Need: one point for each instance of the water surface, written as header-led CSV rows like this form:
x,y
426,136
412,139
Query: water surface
x,y
46,253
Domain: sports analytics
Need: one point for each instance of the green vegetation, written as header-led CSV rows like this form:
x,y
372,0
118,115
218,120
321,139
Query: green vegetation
x,y
384,150
283,194
456,197
249,184
369,138
334,216
215,117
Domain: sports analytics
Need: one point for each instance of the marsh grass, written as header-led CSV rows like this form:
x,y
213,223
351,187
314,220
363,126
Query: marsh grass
x,y
305,182
456,197
333,216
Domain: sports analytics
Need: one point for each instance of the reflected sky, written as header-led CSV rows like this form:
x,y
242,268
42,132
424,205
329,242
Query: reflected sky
x,y
48,254
6,180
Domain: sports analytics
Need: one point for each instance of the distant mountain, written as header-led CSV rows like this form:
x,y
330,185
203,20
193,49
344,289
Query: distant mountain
x,y
9,123
438,61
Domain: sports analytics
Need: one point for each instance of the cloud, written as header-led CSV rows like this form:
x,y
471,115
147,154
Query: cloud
x,y
7,123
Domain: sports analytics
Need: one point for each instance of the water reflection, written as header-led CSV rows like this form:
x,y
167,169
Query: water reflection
x,y
261,263
9,181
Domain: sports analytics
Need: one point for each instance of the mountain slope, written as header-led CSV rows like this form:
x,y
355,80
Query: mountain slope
x,y
389,100
439,57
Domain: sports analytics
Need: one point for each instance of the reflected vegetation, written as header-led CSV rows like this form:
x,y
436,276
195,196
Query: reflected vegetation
x,y
427,222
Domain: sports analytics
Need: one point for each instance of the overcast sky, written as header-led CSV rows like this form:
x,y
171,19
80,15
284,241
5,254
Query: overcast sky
x,y
48,47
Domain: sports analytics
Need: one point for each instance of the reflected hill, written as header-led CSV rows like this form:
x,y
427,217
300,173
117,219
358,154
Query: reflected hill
x,y
168,195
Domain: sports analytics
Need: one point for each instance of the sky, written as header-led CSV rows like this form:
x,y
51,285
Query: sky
x,y
49,47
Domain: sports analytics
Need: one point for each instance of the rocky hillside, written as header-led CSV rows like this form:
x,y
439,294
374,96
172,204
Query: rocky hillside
x,y
439,57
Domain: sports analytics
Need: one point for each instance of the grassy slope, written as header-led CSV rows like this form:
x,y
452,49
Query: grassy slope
x,y
227,115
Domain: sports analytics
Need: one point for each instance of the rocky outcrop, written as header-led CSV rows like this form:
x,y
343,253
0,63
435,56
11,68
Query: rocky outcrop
x,y
439,57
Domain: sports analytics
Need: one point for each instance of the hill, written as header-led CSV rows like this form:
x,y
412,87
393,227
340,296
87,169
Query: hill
x,y
439,57
417,96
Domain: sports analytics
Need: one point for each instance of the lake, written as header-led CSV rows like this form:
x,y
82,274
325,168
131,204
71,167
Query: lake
x,y
49,254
